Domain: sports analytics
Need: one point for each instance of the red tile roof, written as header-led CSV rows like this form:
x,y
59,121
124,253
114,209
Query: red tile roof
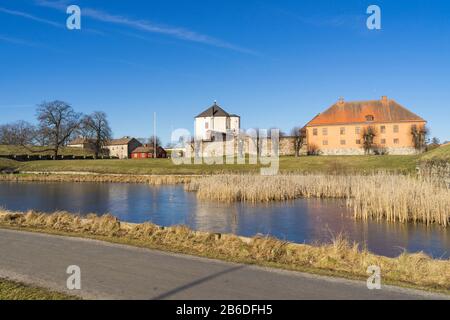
x,y
383,111
147,149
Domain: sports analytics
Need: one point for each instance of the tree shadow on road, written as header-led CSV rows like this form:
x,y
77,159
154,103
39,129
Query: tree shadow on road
x,y
195,283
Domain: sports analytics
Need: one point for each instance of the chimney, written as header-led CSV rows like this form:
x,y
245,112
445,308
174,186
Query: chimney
x,y
384,98
341,100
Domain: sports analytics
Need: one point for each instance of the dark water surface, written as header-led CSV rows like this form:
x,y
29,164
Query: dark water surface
x,y
301,221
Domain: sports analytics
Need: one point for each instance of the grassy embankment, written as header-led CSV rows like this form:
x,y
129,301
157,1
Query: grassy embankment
x,y
441,153
19,150
332,164
11,290
339,258
323,164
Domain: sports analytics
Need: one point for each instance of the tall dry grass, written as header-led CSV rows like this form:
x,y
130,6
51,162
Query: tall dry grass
x,y
395,198
388,197
338,258
100,178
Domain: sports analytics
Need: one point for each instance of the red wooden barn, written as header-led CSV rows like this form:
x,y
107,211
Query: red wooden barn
x,y
146,152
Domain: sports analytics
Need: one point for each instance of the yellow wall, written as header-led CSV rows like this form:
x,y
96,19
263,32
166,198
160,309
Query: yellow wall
x,y
350,136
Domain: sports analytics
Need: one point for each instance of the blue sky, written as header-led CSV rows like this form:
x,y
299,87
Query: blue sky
x,y
275,63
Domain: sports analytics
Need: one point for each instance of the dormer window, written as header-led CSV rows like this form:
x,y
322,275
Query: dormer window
x,y
370,118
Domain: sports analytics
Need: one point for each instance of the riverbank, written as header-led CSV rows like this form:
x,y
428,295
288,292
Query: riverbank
x,y
98,178
406,164
382,196
340,259
12,290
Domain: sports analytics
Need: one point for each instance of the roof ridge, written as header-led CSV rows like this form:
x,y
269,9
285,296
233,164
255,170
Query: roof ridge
x,y
384,110
211,111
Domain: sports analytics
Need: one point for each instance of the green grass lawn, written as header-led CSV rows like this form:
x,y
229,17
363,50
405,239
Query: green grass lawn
x,y
339,164
326,164
11,290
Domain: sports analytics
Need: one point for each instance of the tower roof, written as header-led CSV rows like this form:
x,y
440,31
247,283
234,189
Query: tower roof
x,y
214,111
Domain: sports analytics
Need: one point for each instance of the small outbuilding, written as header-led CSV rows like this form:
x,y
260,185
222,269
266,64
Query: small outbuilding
x,y
147,151
122,148
82,143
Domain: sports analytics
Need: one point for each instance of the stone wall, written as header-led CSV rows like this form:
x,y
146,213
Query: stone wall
x,y
246,145
286,148
360,151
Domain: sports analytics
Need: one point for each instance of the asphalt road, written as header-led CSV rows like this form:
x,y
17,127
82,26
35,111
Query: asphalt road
x,y
110,271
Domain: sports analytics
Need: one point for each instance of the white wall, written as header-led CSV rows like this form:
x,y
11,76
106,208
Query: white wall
x,y
218,124
214,124
235,124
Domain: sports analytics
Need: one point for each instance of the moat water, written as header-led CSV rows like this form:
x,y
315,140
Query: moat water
x,y
301,221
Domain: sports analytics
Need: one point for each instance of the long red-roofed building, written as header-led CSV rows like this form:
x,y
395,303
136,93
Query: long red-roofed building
x,y
342,128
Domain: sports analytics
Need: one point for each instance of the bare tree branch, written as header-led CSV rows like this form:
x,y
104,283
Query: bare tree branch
x,y
58,122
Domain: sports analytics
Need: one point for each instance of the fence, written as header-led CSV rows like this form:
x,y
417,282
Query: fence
x,y
36,157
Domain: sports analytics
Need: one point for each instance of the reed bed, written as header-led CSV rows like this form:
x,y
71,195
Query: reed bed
x,y
340,257
100,178
381,196
394,198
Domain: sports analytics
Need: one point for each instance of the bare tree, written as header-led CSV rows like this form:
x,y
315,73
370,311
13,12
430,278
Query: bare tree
x,y
280,133
58,123
256,139
17,133
300,139
96,128
41,138
419,136
154,140
313,149
435,141
368,135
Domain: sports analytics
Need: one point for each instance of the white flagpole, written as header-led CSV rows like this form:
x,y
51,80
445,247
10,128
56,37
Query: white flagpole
x,y
154,136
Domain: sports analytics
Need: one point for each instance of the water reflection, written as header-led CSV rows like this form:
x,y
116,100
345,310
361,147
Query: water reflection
x,y
302,221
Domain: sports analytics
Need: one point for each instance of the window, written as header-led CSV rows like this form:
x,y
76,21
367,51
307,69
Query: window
x,y
358,130
325,131
315,132
325,142
370,118
342,142
414,127
383,141
358,141
383,129
396,141
206,125
342,131
396,128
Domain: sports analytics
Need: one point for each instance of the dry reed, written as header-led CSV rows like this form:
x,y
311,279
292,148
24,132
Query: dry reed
x,y
388,197
395,198
338,258
100,178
